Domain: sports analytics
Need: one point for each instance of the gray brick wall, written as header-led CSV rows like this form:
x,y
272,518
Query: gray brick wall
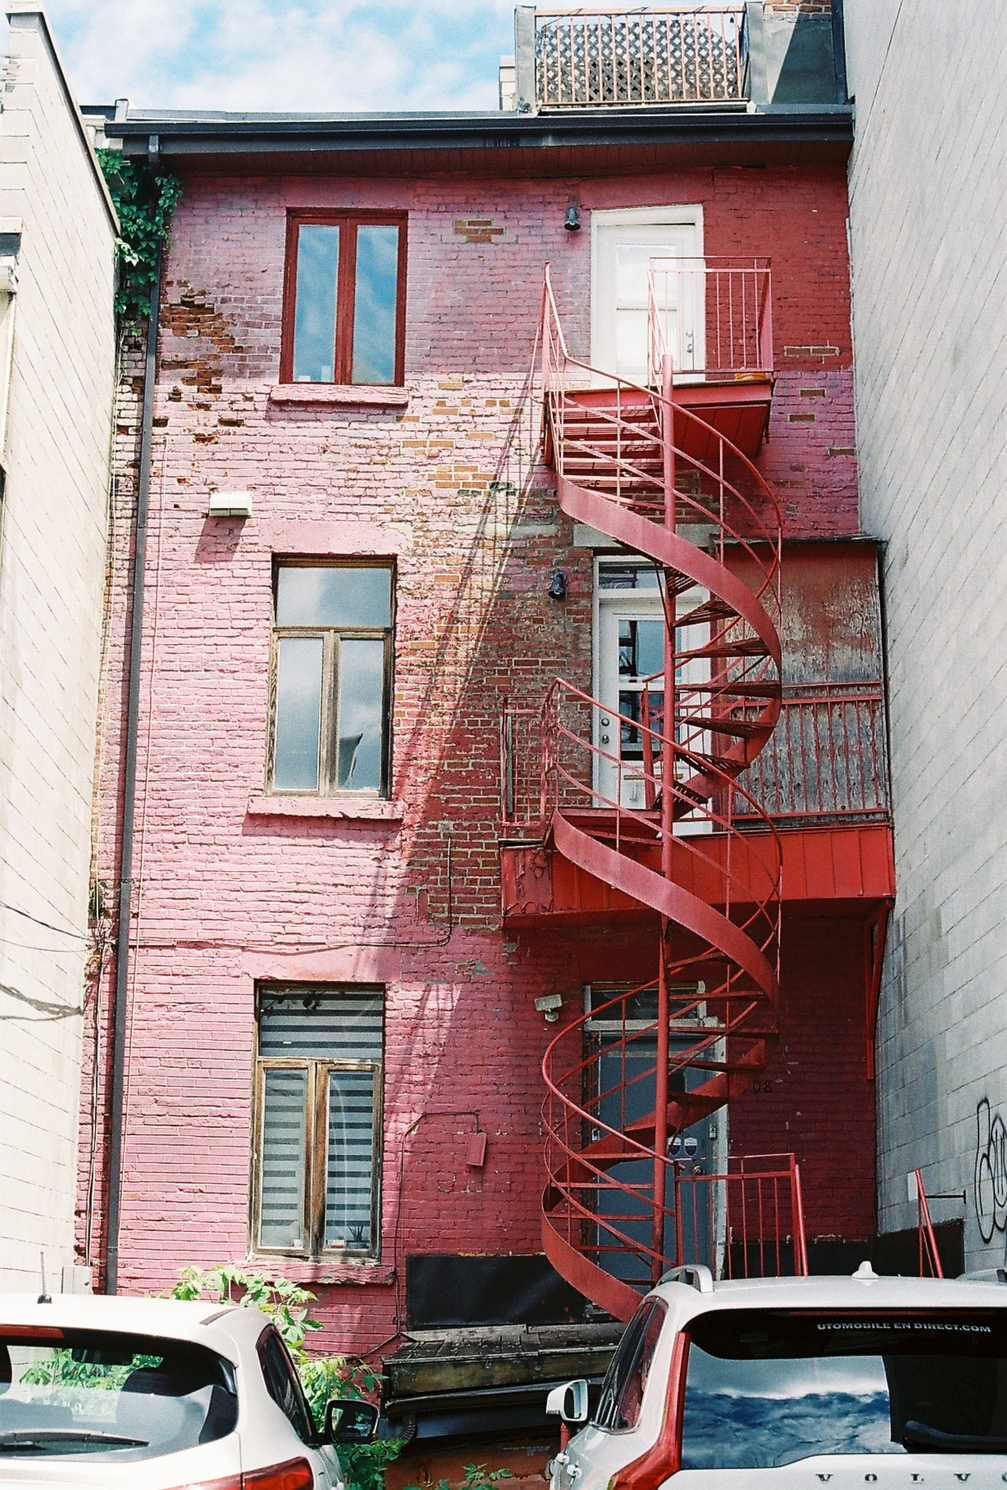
x,y
928,213
52,567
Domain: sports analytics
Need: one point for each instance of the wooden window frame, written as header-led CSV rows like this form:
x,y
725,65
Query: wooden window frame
x,y
345,291
328,739
316,1157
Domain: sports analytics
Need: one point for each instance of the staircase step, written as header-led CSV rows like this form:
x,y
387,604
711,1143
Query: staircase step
x,y
744,729
710,610
743,647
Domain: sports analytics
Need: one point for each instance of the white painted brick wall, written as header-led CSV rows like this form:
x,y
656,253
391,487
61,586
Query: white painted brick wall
x,y
929,237
52,562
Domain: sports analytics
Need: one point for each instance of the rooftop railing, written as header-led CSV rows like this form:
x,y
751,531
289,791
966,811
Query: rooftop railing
x,y
598,58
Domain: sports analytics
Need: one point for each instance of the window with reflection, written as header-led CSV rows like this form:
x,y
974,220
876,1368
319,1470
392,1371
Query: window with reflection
x,y
331,679
318,1111
765,1388
344,313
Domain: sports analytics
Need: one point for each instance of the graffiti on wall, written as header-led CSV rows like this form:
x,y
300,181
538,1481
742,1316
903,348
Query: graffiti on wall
x,y
991,1173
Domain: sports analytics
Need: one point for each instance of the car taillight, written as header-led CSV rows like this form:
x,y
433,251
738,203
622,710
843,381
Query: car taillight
x,y
295,1474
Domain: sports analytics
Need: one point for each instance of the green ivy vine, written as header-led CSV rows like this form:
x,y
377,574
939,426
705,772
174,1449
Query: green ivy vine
x,y
145,200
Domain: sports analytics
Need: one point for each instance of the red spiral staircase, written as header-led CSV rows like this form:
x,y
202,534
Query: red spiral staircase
x,y
620,1205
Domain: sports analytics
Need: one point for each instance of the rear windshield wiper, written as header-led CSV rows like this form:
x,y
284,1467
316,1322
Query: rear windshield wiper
x,y
920,1436
39,1438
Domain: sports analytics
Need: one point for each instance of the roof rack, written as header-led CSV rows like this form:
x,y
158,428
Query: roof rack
x,y
693,1272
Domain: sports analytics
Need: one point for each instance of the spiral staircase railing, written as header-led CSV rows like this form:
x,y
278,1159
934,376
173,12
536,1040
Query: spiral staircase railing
x,y
638,466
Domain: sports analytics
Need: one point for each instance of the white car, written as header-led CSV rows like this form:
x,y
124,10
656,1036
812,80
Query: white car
x,y
796,1383
156,1394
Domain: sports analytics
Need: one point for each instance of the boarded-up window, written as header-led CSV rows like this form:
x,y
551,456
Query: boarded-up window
x,y
318,1110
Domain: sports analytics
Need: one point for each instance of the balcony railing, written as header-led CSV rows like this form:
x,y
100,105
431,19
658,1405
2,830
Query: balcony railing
x,y
826,758
713,315
598,58
826,761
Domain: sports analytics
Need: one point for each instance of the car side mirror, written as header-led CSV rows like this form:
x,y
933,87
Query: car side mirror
x,y
569,1402
350,1422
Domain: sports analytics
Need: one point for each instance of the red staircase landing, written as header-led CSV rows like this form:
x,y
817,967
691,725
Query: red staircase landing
x,y
847,867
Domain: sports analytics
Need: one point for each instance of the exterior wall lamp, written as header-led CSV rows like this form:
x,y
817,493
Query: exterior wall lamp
x,y
572,223
557,590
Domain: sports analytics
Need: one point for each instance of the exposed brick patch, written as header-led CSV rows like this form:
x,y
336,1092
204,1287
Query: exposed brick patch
x,y
477,229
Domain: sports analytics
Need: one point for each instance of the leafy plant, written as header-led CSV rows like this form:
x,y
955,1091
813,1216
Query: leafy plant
x,y
145,200
284,1302
476,1478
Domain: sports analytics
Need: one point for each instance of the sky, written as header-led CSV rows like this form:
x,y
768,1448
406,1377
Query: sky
x,y
314,55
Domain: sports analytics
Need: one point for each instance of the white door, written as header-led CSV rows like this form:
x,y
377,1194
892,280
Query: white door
x,y
623,250
629,651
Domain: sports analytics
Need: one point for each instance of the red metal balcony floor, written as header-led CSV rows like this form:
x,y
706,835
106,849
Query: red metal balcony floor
x,y
845,868
736,407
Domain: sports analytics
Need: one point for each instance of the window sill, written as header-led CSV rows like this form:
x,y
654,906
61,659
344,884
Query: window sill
x,y
346,394
355,1274
369,809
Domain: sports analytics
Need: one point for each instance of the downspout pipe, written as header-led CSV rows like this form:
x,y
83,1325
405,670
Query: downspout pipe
x,y
125,902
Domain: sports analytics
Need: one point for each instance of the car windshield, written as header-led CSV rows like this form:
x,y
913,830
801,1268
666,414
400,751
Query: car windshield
x,y
768,1387
107,1396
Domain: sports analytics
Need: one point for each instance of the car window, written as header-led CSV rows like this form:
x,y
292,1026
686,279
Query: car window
x,y
284,1385
622,1390
766,1387
108,1397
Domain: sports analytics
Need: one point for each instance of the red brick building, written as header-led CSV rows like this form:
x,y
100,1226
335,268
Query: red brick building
x,y
361,580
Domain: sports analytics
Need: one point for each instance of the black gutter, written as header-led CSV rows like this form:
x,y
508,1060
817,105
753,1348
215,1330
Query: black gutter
x,y
125,900
839,51
244,135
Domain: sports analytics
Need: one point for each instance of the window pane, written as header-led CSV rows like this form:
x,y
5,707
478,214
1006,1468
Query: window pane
x,y
298,713
623,1387
105,1396
350,1160
281,1222
327,1026
375,305
315,303
361,712
627,577
766,1388
333,595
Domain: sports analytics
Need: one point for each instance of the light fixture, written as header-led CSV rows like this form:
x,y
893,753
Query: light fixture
x,y
550,1006
557,590
230,504
572,223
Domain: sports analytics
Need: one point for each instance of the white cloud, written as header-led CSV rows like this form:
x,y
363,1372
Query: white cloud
x,y
312,55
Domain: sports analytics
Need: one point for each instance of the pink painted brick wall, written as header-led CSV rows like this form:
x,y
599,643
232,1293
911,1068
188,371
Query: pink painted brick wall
x,y
227,896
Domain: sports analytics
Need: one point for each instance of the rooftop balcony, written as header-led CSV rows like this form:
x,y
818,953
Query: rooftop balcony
x,y
725,56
